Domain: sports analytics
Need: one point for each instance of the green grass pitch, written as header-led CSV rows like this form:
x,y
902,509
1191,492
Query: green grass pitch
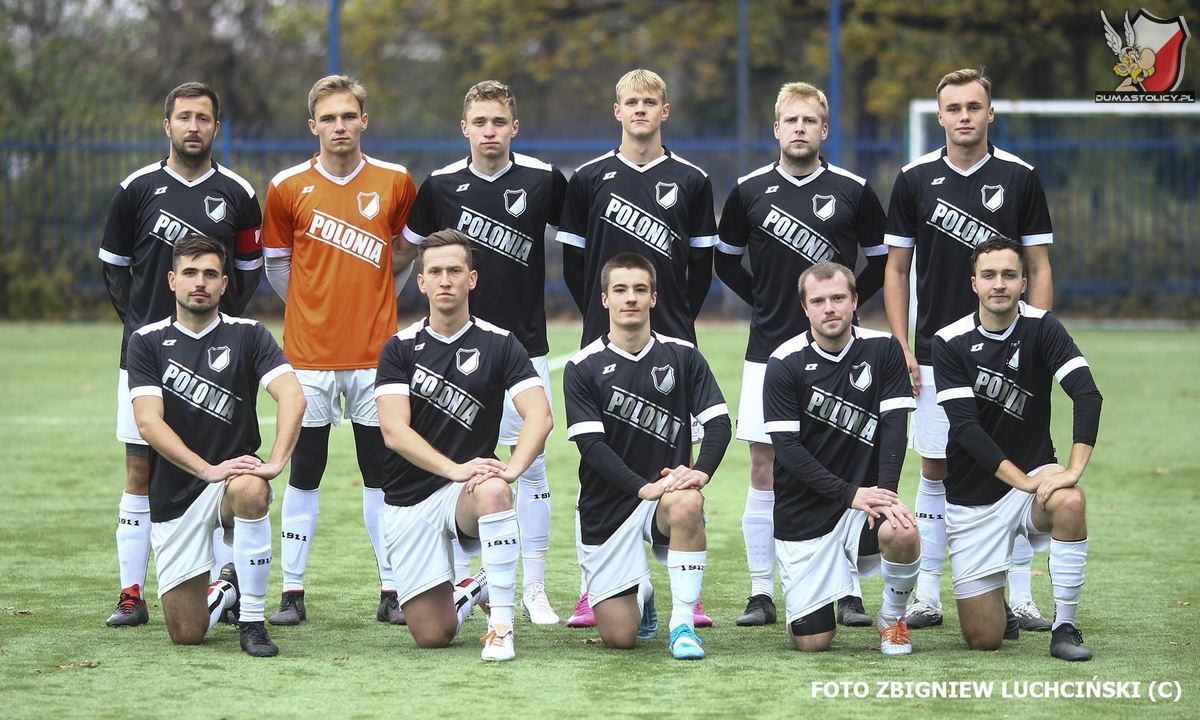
x,y
62,473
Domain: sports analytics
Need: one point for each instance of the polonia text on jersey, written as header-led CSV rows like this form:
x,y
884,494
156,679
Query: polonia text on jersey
x,y
839,414
342,235
452,400
960,225
507,241
640,413
199,392
643,226
994,387
797,236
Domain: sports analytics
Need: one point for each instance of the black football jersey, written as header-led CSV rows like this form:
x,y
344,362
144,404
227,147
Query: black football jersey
x,y
455,388
506,216
788,224
945,212
1003,382
208,383
834,403
660,210
642,404
153,208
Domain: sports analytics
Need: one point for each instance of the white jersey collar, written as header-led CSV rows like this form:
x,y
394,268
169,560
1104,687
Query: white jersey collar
x,y
828,356
490,178
212,170
635,358
196,336
448,340
643,168
334,178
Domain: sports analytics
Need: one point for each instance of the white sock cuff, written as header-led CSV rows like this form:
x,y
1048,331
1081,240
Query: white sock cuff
x,y
900,570
297,502
763,497
680,558
134,503
494,519
931,487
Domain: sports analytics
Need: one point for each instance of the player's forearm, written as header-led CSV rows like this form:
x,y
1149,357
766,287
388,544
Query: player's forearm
x,y
608,465
717,433
1040,292
409,444
1086,404
155,431
531,442
735,276
791,453
967,432
288,415
892,440
247,280
118,281
279,270
1012,475
895,297
700,271
870,280
1081,453
573,262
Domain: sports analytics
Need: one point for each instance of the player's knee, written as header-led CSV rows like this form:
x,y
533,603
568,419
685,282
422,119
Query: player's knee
x,y
1067,502
618,638
182,634
814,632
493,495
684,505
429,638
250,495
983,638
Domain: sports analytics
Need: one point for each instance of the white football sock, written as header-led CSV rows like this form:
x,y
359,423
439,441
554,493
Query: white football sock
x,y
758,531
498,535
221,597
1020,573
252,559
299,520
533,516
1067,563
373,516
930,509
222,551
133,540
898,581
686,570
462,562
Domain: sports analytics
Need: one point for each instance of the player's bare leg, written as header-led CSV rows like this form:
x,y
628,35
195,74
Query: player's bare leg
x,y
680,517
485,511
983,619
758,531
133,539
617,620
816,642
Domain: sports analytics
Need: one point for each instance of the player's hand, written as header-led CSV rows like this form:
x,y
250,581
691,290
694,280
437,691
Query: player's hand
x,y
871,499
478,469
914,370
1051,479
896,515
651,491
681,478
268,470
243,465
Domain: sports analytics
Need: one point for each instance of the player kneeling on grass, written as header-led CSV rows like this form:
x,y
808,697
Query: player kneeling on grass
x,y
440,393
835,401
192,378
995,370
629,397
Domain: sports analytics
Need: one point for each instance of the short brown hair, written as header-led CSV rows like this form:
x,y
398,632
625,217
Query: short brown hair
x,y
996,243
641,79
490,90
824,271
332,85
627,261
963,77
192,90
194,244
794,91
443,238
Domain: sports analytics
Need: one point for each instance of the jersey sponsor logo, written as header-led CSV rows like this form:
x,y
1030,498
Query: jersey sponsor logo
x,y
307,189
515,201
199,392
796,236
771,189
609,175
169,343
642,414
666,194
495,235
609,368
463,187
354,241
664,379
467,360
976,347
169,228
215,208
160,190
834,411
455,402
938,180
824,206
419,347
640,224
810,367
368,204
995,388
1015,361
993,196
860,376
218,358
960,225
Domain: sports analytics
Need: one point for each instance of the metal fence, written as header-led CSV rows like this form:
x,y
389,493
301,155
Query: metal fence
x,y
1123,196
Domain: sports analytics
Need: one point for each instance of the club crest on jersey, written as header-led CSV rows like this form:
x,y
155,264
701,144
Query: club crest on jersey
x,y
215,208
860,376
218,358
368,204
1015,361
666,193
515,201
664,378
824,205
467,360
993,196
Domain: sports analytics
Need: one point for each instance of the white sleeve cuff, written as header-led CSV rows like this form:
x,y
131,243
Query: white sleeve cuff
x,y
1069,367
585,428
899,241
392,389
145,391
1042,239
730,249
704,241
958,393
524,385
567,238
115,259
875,250
411,236
778,426
908,403
273,252
267,379
709,413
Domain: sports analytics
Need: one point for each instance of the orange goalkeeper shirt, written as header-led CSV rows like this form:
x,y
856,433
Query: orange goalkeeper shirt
x,y
341,300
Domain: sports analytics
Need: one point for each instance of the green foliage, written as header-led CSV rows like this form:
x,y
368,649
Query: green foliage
x,y
62,479
29,292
